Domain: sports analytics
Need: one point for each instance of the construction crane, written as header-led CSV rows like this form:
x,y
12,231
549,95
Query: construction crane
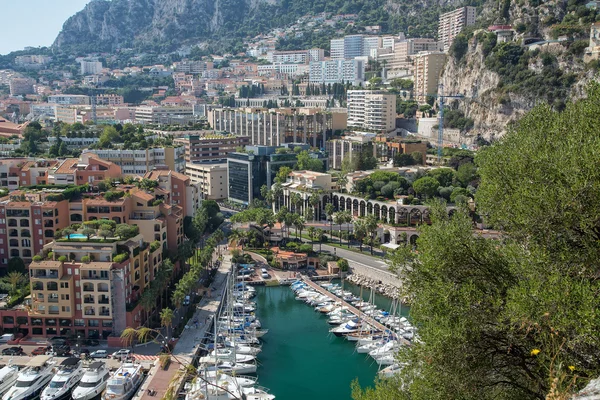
x,y
441,97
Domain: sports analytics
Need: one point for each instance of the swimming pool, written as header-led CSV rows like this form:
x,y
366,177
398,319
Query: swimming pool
x,y
77,236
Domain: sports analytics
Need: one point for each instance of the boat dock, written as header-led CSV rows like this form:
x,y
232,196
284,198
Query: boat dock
x,y
111,363
354,310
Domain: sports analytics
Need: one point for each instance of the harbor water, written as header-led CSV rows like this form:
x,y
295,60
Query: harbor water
x,y
300,359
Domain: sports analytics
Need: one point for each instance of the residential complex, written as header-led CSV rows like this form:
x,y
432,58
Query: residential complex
x,y
211,179
90,67
372,110
69,99
164,115
21,86
210,146
352,46
428,67
296,56
179,189
139,162
337,71
451,23
346,147
276,127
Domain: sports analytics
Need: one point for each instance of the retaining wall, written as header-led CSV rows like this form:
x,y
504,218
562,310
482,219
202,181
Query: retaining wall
x,y
374,273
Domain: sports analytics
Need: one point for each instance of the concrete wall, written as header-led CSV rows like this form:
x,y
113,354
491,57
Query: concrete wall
x,y
374,273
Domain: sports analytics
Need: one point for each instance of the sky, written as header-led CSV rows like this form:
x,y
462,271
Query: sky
x,y
34,22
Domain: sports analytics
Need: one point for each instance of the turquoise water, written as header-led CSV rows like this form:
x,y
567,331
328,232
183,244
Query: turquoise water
x,y
300,360
382,302
77,236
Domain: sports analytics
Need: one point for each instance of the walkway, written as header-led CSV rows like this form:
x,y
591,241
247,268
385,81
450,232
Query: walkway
x,y
187,347
353,309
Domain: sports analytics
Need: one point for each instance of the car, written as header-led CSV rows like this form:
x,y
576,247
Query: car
x,y
39,351
123,353
12,351
92,342
99,354
61,350
7,337
186,301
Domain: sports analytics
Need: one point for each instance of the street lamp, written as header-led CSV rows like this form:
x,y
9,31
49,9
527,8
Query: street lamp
x,y
78,342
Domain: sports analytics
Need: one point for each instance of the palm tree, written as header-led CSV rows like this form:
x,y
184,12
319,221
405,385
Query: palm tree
x,y
311,234
329,210
370,222
339,219
347,219
360,231
277,193
319,234
14,279
342,182
297,201
235,237
289,221
299,225
166,319
314,201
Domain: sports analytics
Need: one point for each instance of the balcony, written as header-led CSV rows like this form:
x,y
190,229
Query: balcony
x,y
44,275
89,312
52,299
88,300
104,300
104,313
88,288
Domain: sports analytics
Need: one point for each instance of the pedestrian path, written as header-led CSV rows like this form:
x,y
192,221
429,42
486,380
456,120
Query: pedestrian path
x,y
144,357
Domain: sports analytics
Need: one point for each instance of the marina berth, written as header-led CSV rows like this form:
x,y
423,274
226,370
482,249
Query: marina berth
x,y
32,379
93,382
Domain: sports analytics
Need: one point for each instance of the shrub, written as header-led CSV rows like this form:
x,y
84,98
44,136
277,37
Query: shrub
x,y
113,195
62,258
37,258
85,259
343,264
119,258
154,246
50,255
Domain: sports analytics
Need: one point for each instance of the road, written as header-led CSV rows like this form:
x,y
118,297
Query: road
x,y
354,257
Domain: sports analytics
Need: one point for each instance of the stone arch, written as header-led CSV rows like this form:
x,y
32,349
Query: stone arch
x,y
403,215
415,216
355,210
392,215
426,216
363,205
376,210
349,204
384,214
336,202
413,239
369,208
342,203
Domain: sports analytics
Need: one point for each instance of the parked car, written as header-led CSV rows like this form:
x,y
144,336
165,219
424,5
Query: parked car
x,y
13,351
186,301
99,354
62,350
40,351
123,353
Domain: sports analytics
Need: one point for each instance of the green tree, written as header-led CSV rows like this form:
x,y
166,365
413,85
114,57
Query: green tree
x,y
418,157
403,160
306,162
426,186
283,174
16,264
14,279
166,319
466,174
444,176
329,210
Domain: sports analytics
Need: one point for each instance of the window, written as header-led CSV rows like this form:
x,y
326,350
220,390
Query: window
x,y
78,307
77,295
64,285
64,297
38,222
77,284
69,271
76,271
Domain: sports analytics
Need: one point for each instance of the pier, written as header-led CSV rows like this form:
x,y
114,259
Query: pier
x,y
354,310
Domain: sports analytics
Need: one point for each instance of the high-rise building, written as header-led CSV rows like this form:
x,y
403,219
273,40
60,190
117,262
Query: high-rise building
x,y
451,23
427,69
372,110
90,67
210,147
21,86
337,71
211,179
138,162
346,147
352,46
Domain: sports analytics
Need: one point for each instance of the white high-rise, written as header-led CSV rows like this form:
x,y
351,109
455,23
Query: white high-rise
x,y
337,71
372,110
451,23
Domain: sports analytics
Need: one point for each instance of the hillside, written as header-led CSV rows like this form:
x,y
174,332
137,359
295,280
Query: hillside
x,y
165,25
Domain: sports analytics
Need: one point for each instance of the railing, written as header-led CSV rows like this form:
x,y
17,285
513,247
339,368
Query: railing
x,y
48,276
89,301
103,301
54,312
103,290
89,313
104,313
52,299
88,289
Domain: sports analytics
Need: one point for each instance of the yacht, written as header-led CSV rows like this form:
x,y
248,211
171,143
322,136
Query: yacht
x,y
67,376
124,383
228,367
240,380
345,329
229,354
8,376
32,379
93,382
225,389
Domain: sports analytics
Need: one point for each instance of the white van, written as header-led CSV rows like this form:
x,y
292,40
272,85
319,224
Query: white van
x,y
264,273
7,337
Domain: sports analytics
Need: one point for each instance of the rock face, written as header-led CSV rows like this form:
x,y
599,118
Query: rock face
x,y
108,25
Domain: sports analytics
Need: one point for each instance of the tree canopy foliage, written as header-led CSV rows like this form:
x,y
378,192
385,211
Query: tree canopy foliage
x,y
514,318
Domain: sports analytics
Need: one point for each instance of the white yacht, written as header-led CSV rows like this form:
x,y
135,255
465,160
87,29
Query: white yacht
x,y
229,367
31,380
240,380
124,383
8,376
225,389
345,329
93,382
67,376
229,354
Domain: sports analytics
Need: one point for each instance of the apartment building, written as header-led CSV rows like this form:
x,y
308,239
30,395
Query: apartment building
x,y
17,172
65,114
27,222
109,100
211,179
210,147
346,147
372,110
69,99
164,115
276,127
90,67
337,71
21,86
310,180
296,56
352,46
179,188
33,61
139,162
451,23
427,69
89,168
287,69
192,67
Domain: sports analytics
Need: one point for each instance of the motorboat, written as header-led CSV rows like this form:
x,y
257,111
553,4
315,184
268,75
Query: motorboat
x,y
32,379
123,384
240,380
229,354
362,333
229,367
67,376
93,382
387,349
8,376
241,349
224,389
345,329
